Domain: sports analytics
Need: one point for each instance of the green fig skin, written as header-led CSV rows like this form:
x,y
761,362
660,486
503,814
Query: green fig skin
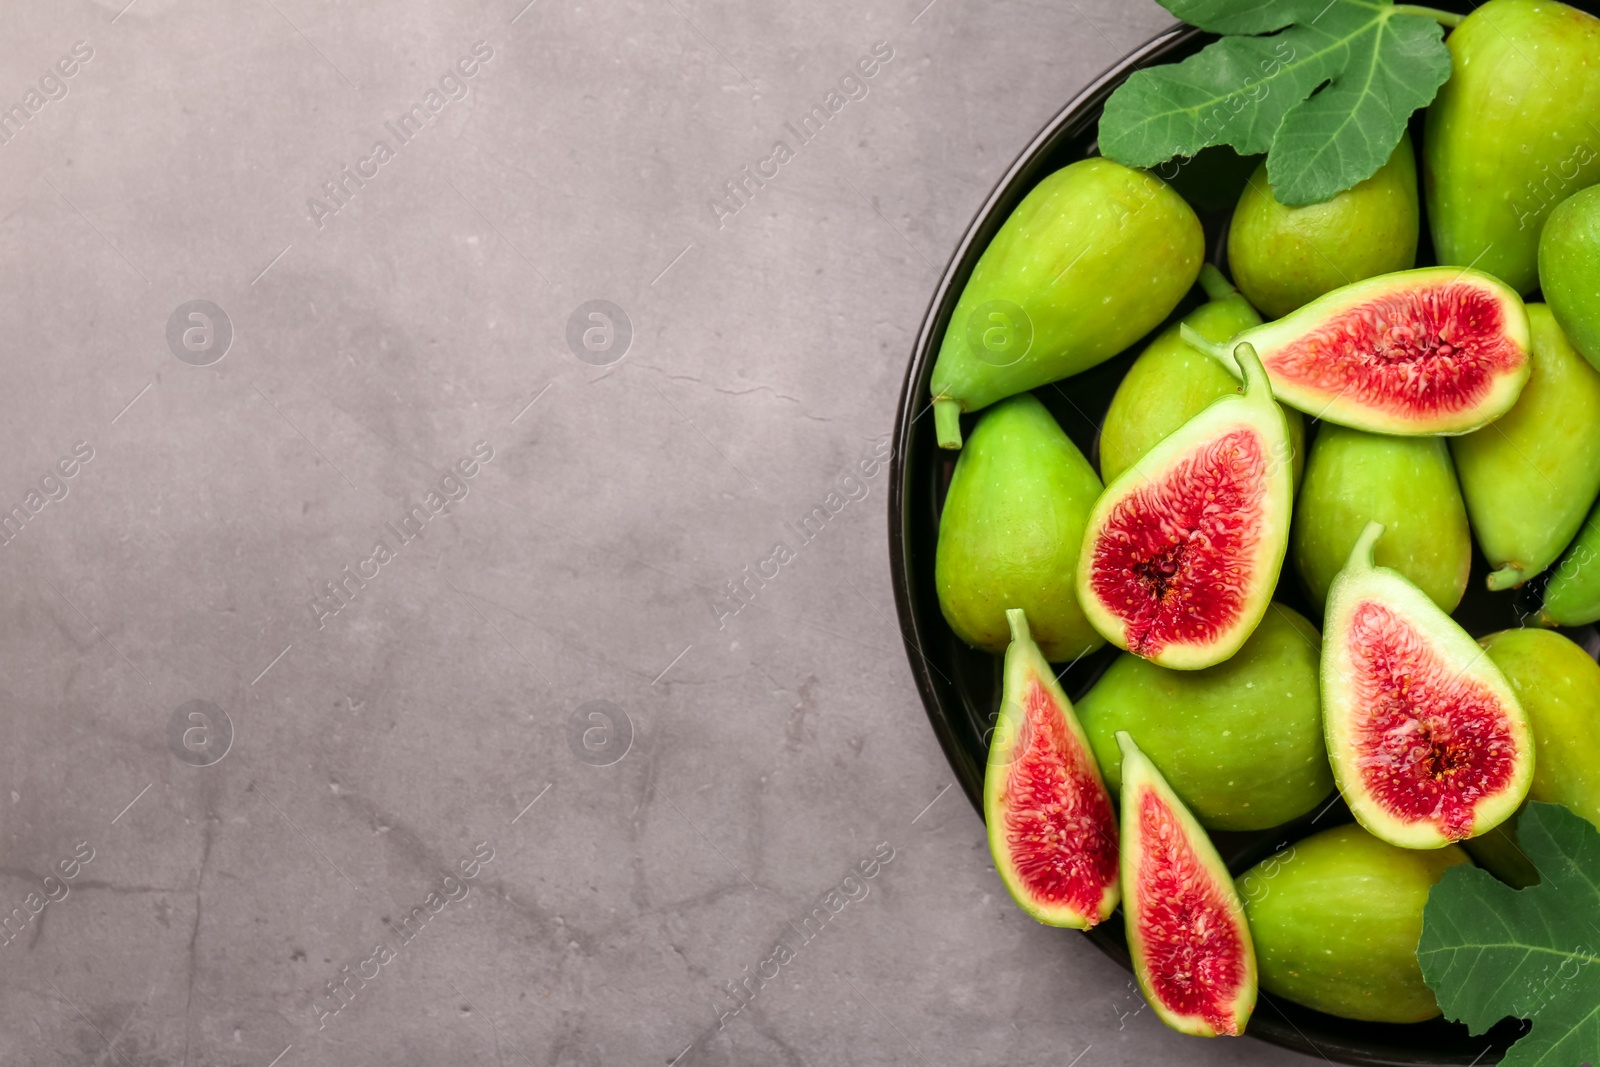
x,y
1558,685
1094,257
1509,135
1530,477
1283,257
1336,919
1010,533
1406,483
1572,596
1569,269
1172,381
1241,742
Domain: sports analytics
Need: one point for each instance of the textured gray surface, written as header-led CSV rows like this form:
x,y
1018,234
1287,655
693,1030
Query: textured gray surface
x,y
772,752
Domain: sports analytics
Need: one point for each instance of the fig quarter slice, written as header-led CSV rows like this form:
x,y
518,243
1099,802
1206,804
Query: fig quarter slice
x,y
1436,350
1185,924
1182,551
1427,740
1051,828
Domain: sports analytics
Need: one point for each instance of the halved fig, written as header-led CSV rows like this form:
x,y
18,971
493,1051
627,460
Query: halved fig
x,y
1182,550
1185,924
1427,740
1437,350
1051,828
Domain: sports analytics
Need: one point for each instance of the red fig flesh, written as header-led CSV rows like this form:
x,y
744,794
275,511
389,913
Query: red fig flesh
x,y
1437,350
1182,551
1185,924
1051,828
1427,740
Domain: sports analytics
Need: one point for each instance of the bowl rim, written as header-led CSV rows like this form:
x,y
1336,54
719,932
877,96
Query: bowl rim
x,y
924,353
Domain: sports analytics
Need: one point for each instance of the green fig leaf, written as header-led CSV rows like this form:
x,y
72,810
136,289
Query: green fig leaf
x,y
1243,16
1327,97
1490,952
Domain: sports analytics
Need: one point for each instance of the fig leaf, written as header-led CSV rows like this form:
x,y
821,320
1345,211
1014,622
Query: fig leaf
x,y
1327,97
1490,952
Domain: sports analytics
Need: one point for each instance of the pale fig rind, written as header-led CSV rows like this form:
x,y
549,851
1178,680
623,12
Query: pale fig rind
x,y
1385,354
1182,551
1428,742
1213,992
1042,790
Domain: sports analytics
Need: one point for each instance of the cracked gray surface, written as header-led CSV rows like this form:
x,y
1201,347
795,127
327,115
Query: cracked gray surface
x,y
775,755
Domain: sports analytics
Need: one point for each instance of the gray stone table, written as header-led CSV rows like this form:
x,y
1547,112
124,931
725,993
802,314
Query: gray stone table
x,y
272,794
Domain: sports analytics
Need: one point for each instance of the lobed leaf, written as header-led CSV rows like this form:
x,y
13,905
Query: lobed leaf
x,y
1352,126
1327,97
1489,951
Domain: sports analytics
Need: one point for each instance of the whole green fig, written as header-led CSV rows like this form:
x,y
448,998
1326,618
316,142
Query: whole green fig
x,y
1511,134
1569,269
1558,685
1241,742
1094,257
1336,919
1406,483
1172,381
1572,596
1010,532
1283,257
1530,476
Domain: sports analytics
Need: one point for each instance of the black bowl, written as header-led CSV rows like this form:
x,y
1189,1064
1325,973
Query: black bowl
x,y
961,687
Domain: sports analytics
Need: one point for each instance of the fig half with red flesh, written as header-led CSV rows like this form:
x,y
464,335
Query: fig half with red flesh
x,y
1051,827
1427,740
1436,350
1182,550
1185,924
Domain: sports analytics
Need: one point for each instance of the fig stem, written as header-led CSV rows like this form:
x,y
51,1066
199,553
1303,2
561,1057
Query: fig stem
x,y
1444,18
1017,619
947,422
1361,554
1215,283
1255,375
1196,339
1508,577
